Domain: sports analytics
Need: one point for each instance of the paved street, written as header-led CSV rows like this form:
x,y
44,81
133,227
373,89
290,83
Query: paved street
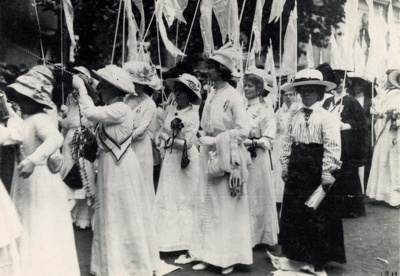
x,y
366,238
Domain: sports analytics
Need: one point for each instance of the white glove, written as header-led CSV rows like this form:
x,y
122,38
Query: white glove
x,y
79,85
207,141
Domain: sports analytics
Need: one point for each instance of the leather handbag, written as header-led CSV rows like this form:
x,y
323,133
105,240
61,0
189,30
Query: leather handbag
x,y
185,158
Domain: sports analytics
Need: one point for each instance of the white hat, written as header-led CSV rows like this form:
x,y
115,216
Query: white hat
x,y
116,76
308,77
190,81
143,73
394,79
267,78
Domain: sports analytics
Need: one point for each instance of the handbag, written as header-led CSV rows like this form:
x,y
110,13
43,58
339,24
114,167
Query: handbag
x,y
73,178
214,165
84,144
185,158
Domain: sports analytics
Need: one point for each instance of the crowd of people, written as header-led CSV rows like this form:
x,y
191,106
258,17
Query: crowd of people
x,y
212,171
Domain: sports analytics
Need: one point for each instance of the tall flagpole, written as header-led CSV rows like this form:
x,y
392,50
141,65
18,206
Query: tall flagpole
x,y
280,57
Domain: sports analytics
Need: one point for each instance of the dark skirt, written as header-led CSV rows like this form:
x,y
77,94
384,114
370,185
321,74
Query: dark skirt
x,y
347,192
315,237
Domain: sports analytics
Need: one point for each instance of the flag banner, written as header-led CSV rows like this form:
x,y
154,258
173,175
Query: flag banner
x,y
139,5
373,50
69,19
205,26
336,61
270,68
289,57
382,57
276,10
359,60
221,10
310,55
172,10
256,29
174,51
393,53
350,32
132,32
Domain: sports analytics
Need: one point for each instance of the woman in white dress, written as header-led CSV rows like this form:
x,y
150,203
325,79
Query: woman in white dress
x,y
78,174
46,244
260,185
124,241
384,179
177,188
144,109
224,228
10,226
289,107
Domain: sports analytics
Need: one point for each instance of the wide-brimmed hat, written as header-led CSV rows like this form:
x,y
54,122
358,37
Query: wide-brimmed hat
x,y
32,88
191,82
267,78
394,78
82,70
143,73
117,77
45,75
308,77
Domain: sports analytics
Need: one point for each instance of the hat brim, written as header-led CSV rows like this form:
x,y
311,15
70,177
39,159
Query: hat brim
x,y
393,76
27,92
292,86
170,83
99,77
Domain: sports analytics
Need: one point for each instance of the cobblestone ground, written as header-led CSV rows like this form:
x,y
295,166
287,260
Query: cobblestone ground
x,y
370,241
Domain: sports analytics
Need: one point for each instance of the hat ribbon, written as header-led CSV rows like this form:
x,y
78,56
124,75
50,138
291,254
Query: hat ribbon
x,y
307,79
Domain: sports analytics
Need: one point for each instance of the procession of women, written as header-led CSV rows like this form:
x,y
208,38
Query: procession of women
x,y
210,162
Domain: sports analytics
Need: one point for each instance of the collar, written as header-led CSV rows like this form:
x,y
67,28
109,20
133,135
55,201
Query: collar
x,y
220,84
253,101
313,107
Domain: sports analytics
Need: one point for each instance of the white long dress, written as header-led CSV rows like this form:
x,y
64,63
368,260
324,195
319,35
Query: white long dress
x,y
260,185
46,244
124,241
80,200
177,188
384,178
10,226
282,117
223,235
143,115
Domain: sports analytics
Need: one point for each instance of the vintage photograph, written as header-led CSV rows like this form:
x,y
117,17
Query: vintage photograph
x,y
199,137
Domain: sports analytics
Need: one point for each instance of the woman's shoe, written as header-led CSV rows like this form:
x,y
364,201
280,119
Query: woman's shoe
x,y
227,270
200,266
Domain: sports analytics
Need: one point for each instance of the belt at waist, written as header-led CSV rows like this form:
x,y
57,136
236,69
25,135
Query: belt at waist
x,y
304,146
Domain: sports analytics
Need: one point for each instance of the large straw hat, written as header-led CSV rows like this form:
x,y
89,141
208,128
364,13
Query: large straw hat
x,y
143,73
225,56
191,82
32,88
44,74
267,78
116,76
394,78
308,77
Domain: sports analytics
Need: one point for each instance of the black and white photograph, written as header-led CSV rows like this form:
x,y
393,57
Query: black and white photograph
x,y
199,137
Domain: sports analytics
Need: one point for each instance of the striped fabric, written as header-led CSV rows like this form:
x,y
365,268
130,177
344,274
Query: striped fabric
x,y
321,128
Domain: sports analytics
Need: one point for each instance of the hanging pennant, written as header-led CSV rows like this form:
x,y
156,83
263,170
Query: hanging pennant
x,y
276,10
310,55
205,26
227,14
257,26
172,10
289,57
132,31
393,53
174,51
270,68
139,5
335,55
349,35
69,19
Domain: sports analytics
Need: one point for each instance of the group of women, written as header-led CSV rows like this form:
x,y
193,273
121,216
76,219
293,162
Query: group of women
x,y
220,177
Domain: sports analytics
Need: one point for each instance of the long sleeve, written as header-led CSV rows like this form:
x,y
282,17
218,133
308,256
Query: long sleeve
x,y
190,130
109,114
287,144
143,125
355,115
332,146
52,139
241,128
11,134
268,129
